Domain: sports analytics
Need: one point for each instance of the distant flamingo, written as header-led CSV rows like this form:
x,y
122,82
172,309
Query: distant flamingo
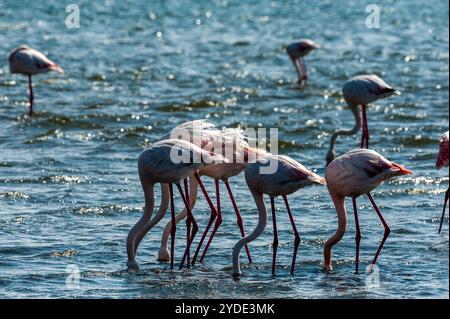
x,y
442,161
288,177
211,138
360,91
25,60
157,165
353,174
297,52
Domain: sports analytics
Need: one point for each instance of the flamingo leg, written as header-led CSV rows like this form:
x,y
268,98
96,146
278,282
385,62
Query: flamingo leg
x,y
443,211
217,224
305,71
358,234
30,88
211,218
188,223
387,230
191,219
174,226
238,217
363,128
297,236
275,235
366,126
298,69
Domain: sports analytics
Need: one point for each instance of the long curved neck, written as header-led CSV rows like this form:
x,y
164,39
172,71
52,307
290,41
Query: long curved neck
x,y
262,222
354,130
339,203
149,193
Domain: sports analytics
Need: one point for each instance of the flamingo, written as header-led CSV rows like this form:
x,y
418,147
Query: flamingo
x,y
289,177
353,174
297,52
211,139
360,91
28,61
157,165
442,161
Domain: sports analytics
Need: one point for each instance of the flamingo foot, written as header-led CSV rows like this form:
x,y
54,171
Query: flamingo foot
x,y
133,265
163,255
327,268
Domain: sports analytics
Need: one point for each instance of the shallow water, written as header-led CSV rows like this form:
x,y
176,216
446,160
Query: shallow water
x,y
69,190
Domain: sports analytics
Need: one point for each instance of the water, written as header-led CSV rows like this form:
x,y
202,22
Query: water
x,y
69,190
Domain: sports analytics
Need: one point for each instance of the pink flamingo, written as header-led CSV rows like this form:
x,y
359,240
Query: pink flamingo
x,y
297,52
157,164
211,139
288,177
353,174
25,60
358,92
442,161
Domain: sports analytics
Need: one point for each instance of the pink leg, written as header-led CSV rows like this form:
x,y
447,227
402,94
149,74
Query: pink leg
x,y
363,128
386,228
305,71
211,218
30,87
298,69
366,127
358,233
191,219
173,228
238,217
188,224
218,221
275,235
297,236
443,211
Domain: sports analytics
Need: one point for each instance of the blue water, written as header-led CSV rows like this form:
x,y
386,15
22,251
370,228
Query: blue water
x,y
69,189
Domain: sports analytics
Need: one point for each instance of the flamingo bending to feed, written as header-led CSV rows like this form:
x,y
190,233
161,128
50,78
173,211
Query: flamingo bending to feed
x,y
158,164
211,139
288,177
353,174
358,92
297,52
28,61
442,161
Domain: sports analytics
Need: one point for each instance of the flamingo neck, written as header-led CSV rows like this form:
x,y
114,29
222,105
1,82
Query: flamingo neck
x,y
262,222
149,192
339,203
354,130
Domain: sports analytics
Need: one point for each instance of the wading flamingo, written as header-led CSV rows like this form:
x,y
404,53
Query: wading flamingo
x,y
288,177
358,92
442,161
353,174
166,162
25,60
297,52
209,138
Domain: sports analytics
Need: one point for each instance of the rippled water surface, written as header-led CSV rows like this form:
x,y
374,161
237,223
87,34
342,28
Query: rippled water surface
x,y
69,190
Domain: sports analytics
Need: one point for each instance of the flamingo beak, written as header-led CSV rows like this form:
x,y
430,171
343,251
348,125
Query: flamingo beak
x,y
402,169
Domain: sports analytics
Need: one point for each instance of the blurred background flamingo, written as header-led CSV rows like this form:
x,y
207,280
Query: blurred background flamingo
x,y
358,92
28,61
297,52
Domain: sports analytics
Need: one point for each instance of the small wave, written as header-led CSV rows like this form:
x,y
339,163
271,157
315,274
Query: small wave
x,y
104,210
13,195
65,253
